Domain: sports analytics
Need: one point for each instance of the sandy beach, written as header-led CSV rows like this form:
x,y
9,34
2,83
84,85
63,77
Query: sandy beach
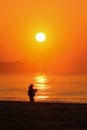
x,y
16,115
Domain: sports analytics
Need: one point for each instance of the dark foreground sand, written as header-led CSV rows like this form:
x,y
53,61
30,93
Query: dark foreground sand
x,y
42,116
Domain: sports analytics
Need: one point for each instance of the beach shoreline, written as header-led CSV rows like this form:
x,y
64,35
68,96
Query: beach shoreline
x,y
18,115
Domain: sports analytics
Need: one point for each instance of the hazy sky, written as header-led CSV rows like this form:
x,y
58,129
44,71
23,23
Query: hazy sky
x,y
63,21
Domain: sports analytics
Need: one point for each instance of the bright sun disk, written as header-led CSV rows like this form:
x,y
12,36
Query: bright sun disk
x,y
40,37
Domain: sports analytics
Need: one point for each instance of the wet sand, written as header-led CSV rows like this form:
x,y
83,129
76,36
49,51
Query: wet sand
x,y
15,115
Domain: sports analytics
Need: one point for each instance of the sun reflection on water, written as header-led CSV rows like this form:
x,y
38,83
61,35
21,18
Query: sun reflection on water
x,y
41,83
41,79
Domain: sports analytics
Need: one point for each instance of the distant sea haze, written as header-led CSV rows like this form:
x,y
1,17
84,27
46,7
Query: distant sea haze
x,y
17,67
51,88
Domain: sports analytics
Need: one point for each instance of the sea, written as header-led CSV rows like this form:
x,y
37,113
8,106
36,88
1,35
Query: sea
x,y
50,87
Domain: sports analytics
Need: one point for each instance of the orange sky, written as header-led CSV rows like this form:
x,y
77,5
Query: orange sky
x,y
63,21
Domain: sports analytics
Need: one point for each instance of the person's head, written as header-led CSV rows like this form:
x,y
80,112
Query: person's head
x,y
31,86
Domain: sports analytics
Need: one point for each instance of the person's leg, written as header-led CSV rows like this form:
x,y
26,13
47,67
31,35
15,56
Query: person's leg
x,y
31,99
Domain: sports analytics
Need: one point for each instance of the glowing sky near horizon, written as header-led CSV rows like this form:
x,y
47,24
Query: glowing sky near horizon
x,y
64,22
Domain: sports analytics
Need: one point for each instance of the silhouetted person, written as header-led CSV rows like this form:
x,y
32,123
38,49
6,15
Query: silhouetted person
x,y
31,93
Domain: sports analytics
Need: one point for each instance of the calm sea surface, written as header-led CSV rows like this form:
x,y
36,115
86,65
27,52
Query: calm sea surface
x,y
51,88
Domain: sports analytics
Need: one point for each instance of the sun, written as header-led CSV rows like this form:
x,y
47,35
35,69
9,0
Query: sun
x,y
40,37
